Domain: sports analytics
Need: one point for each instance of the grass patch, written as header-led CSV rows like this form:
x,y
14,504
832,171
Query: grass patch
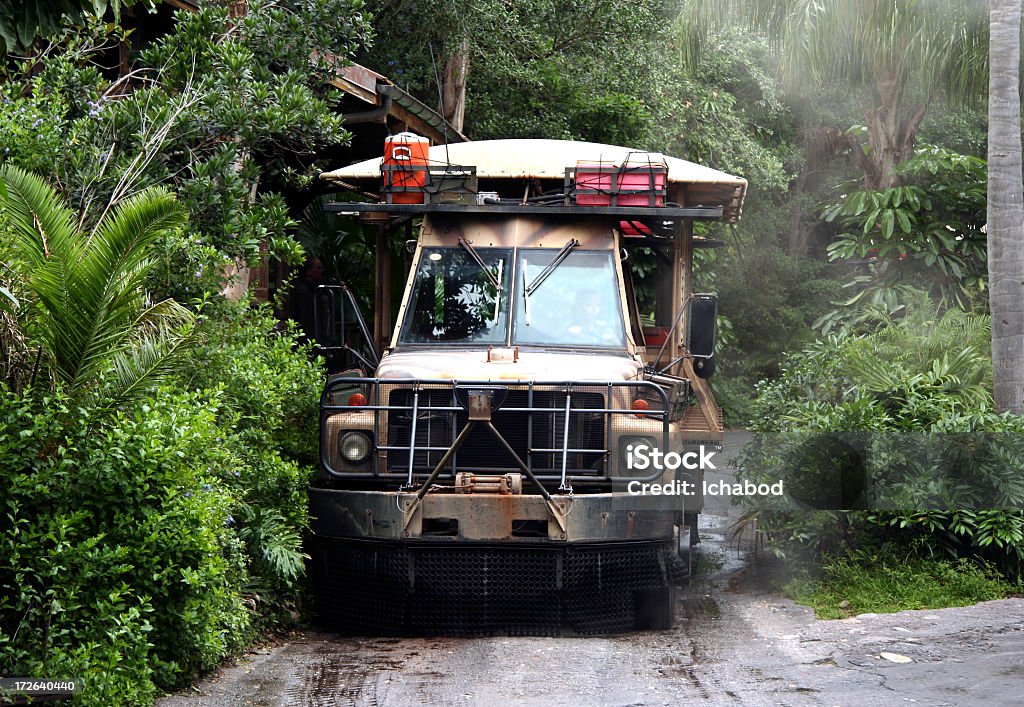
x,y
847,587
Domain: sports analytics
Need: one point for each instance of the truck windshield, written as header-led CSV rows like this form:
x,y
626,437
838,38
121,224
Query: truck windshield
x,y
455,301
578,304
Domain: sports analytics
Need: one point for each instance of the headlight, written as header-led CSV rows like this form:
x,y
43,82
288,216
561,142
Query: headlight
x,y
635,455
354,447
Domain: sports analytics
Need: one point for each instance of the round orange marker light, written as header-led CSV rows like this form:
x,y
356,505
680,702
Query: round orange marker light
x,y
640,405
357,399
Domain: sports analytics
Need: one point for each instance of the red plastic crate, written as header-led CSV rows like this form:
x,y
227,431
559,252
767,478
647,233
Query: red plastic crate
x,y
630,184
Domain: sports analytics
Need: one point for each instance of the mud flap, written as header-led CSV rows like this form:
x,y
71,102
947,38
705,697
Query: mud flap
x,y
685,542
654,609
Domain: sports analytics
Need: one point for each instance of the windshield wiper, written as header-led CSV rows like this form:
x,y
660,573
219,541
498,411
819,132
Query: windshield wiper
x,y
480,261
543,274
497,297
526,293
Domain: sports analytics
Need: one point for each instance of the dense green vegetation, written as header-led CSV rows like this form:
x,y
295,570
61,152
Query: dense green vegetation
x,y
155,440
887,440
152,500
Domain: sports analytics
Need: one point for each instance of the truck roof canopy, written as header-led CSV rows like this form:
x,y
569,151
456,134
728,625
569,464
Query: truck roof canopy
x,y
689,184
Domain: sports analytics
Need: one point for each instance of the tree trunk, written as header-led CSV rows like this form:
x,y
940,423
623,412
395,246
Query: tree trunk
x,y
890,136
797,241
453,94
1005,209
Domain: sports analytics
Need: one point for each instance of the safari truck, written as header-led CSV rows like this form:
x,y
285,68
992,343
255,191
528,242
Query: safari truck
x,y
522,456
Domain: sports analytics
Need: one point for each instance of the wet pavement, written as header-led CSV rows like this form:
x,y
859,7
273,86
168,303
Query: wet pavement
x,y
735,643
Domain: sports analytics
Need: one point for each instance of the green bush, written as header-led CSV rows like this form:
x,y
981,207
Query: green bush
x,y
266,378
138,551
34,118
266,391
891,437
928,232
145,533
117,565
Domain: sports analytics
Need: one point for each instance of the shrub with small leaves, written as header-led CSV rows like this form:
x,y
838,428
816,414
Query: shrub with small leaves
x,y
139,550
115,559
267,378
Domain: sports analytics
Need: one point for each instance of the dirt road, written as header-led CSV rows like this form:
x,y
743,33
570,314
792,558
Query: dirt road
x,y
735,643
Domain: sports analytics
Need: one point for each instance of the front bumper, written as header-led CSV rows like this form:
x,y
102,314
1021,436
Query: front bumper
x,y
506,566
519,518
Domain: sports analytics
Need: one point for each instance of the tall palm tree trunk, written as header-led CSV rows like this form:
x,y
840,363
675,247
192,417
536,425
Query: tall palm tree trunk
x,y
1005,207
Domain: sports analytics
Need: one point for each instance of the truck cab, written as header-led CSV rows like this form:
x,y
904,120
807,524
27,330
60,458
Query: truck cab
x,y
524,454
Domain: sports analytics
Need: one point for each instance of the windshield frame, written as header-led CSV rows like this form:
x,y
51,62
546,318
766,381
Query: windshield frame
x,y
409,312
511,295
618,339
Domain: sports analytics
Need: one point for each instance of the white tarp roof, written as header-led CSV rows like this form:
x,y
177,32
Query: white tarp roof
x,y
690,184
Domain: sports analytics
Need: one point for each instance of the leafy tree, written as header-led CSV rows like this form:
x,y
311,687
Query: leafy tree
x,y
236,131
1005,210
601,70
87,312
927,233
22,22
903,51
726,111
539,68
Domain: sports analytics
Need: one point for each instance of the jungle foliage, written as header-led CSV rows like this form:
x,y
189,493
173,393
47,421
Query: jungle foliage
x,y
233,131
155,441
891,437
152,516
927,233
897,56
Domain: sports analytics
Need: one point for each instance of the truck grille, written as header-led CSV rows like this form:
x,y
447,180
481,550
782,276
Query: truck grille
x,y
522,430
408,589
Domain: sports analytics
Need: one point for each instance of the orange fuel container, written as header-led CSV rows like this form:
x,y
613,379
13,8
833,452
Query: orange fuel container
x,y
406,156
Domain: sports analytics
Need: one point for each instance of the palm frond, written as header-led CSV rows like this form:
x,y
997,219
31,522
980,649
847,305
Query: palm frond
x,y
941,43
925,350
156,352
41,226
42,241
116,260
86,290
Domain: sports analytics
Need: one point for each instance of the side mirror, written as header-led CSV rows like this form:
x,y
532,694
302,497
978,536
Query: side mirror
x,y
701,333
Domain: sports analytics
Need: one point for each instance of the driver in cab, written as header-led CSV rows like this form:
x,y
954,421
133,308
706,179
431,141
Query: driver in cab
x,y
589,323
